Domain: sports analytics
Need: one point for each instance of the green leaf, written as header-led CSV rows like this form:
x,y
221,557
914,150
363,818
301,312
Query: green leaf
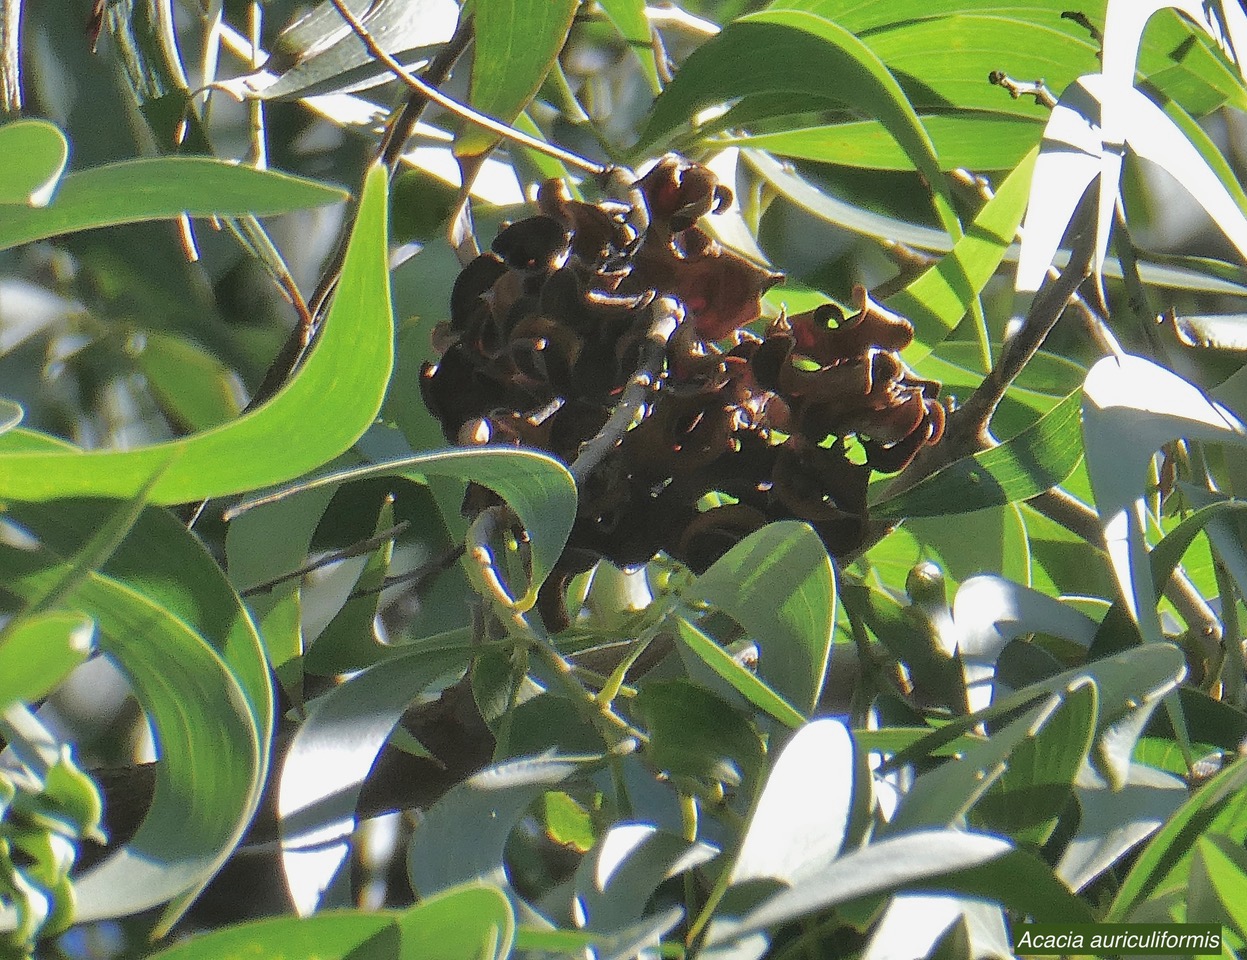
x,y
744,682
567,823
537,487
798,52
976,141
466,923
319,52
1131,406
937,300
517,42
1039,775
694,733
942,796
1220,868
158,188
32,155
779,584
628,17
333,935
39,652
195,390
350,642
320,412
1219,806
10,415
1036,460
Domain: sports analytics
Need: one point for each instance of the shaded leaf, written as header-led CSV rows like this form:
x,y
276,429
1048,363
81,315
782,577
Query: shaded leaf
x,y
694,733
537,487
37,653
330,759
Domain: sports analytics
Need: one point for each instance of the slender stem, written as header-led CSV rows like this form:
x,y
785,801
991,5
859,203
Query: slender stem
x,y
668,315
354,550
461,110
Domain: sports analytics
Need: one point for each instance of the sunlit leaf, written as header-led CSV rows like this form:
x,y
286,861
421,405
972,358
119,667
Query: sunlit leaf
x,y
742,680
1112,822
33,155
801,818
319,52
158,188
320,412
799,52
976,142
1220,805
779,584
517,42
617,878
1036,460
1131,407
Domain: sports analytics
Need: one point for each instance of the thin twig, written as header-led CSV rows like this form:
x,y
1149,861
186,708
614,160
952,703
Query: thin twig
x,y
668,315
461,110
354,550
1021,88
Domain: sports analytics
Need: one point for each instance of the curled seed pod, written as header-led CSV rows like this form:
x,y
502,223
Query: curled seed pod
x,y
549,331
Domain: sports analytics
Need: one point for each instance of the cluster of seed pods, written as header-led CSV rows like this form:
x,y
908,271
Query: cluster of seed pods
x,y
747,422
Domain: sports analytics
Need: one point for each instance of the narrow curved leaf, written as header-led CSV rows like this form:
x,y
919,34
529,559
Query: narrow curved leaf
x,y
330,759
207,780
517,42
1037,459
324,408
1220,805
319,52
933,860
32,155
974,141
462,837
537,487
617,879
943,294
466,923
804,194
1111,822
779,584
743,681
158,188
333,935
798,52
